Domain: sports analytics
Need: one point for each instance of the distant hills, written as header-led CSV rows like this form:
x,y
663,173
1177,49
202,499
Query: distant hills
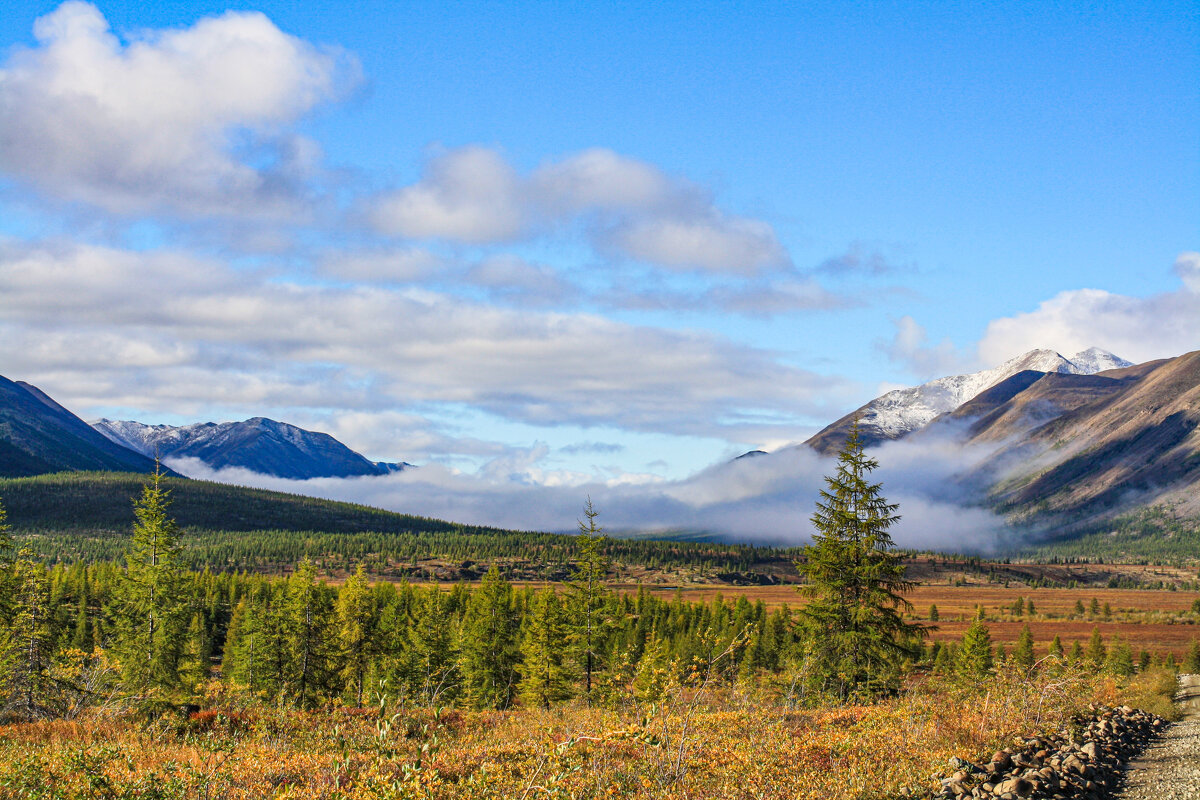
x,y
260,445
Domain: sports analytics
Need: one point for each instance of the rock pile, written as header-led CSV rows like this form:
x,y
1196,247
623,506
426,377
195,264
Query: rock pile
x,y
1081,763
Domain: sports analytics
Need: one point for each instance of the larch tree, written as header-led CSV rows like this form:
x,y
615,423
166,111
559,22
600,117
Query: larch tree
x,y
308,631
28,643
356,614
489,643
857,636
545,669
588,596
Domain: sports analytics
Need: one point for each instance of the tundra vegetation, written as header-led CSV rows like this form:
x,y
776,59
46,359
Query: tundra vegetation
x,y
149,678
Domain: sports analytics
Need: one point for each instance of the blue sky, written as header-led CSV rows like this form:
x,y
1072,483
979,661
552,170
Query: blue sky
x,y
576,243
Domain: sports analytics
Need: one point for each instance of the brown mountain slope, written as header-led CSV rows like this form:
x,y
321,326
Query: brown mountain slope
x,y
1113,440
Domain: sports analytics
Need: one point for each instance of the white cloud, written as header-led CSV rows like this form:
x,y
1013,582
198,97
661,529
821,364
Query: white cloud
x,y
396,265
627,207
910,347
247,343
157,123
1135,328
712,242
466,195
510,278
600,179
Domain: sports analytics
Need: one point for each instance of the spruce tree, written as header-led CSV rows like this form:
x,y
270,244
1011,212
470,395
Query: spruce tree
x,y
149,597
975,654
1023,652
855,579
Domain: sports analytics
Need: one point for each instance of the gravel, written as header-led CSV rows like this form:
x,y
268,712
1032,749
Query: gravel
x,y
1169,769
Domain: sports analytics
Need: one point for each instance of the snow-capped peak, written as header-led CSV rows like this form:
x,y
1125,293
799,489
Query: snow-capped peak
x,y
905,410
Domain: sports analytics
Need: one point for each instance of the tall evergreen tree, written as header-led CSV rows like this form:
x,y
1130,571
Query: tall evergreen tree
x,y
7,576
308,636
1023,652
1096,651
149,598
588,595
434,675
356,624
27,644
545,670
855,579
489,643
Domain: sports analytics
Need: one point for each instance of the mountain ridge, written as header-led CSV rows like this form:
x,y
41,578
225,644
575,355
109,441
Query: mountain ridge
x,y
900,412
258,444
37,435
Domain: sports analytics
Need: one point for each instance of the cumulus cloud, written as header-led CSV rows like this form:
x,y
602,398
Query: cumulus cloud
x,y
626,207
465,195
1135,328
237,340
763,500
172,120
910,347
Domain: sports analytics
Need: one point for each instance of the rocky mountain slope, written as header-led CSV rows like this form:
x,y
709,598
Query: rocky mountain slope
x,y
1070,449
39,436
902,411
260,445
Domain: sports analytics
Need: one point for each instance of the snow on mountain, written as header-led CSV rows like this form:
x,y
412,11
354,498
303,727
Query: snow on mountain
x,y
905,410
259,444
902,411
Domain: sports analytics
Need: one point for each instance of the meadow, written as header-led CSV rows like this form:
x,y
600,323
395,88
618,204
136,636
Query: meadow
x,y
695,741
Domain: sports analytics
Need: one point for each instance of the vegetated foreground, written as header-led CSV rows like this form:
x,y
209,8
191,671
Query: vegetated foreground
x,y
694,741
151,680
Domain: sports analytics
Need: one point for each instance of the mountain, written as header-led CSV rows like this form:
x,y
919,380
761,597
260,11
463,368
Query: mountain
x,y
1070,450
38,436
260,445
902,411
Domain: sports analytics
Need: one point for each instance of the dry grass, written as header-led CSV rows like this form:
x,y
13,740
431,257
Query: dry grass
x,y
724,744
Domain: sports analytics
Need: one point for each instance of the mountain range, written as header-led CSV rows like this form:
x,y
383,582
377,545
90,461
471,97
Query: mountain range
x,y
39,436
1066,443
259,444
1057,445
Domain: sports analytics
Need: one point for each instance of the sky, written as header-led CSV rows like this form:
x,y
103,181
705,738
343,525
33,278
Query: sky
x,y
569,246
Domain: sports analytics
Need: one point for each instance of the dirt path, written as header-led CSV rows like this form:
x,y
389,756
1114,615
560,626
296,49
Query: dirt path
x,y
1170,768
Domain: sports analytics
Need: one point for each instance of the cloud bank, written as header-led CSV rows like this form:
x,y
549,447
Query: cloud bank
x,y
764,500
